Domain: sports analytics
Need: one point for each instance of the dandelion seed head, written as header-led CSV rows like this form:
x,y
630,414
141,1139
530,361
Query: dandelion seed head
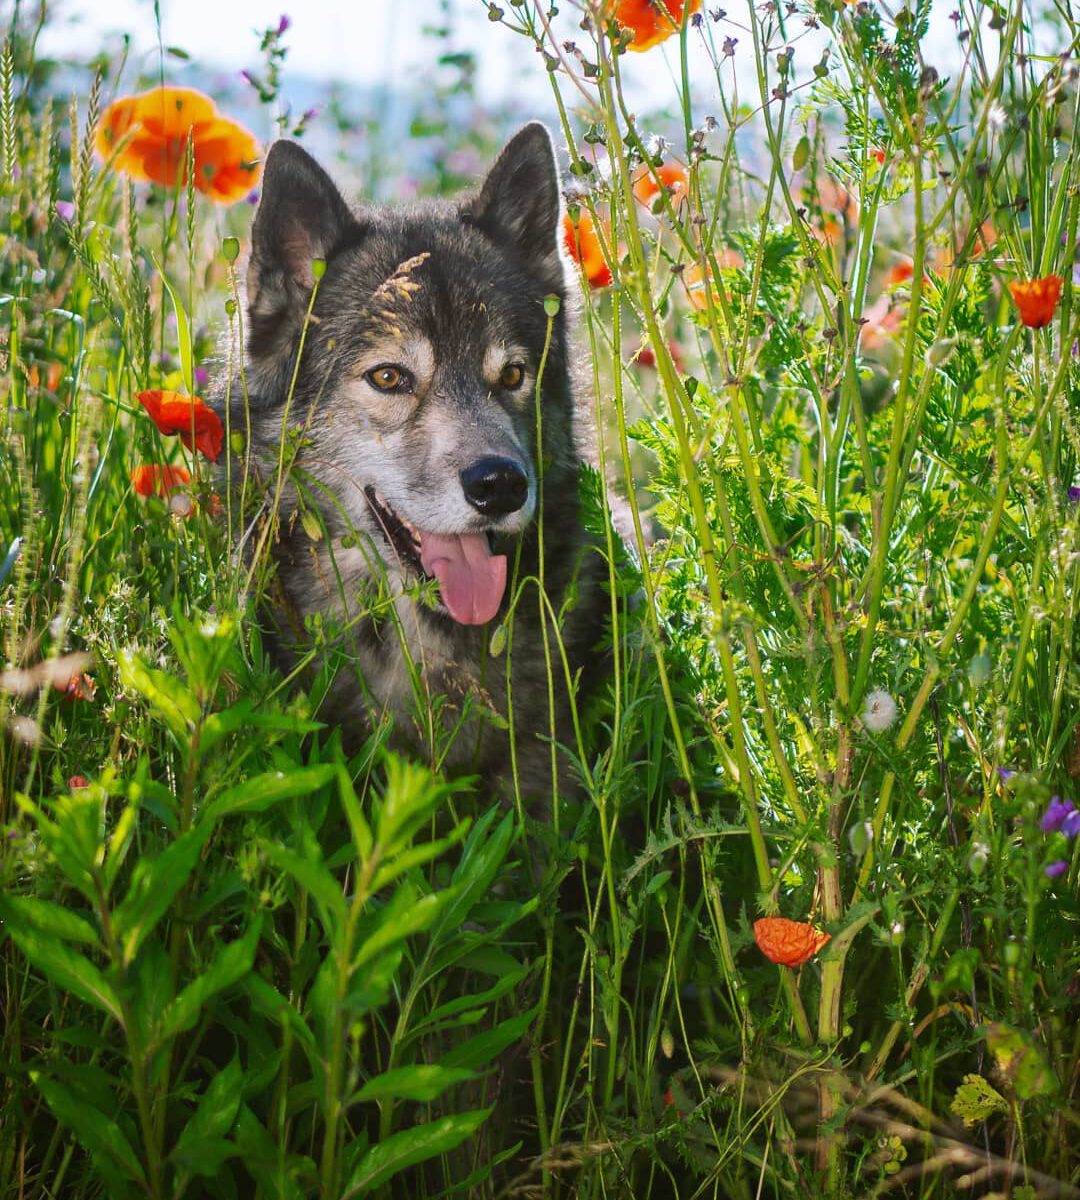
x,y
879,711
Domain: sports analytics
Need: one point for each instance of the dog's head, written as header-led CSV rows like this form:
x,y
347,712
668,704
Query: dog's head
x,y
423,333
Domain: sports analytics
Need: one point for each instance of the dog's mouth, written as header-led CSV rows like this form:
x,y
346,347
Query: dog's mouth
x,y
471,578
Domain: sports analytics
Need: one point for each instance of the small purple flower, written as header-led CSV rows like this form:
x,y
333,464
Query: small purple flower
x,y
1056,812
202,377
1073,493
65,210
1055,869
253,197
1070,827
283,24
1005,774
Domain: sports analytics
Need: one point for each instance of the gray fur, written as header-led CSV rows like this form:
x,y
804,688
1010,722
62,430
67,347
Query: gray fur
x,y
453,291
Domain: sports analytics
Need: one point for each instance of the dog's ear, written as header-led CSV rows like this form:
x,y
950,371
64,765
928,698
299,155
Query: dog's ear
x,y
518,204
301,217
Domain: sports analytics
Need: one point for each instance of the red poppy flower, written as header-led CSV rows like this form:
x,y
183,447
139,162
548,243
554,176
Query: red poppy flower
x,y
878,155
157,125
673,179
1037,300
650,21
199,427
790,943
155,480
78,781
645,356
583,246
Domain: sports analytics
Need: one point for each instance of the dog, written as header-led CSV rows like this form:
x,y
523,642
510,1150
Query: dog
x,y
411,434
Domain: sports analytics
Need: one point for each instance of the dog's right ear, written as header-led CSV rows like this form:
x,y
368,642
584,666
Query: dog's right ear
x,y
301,217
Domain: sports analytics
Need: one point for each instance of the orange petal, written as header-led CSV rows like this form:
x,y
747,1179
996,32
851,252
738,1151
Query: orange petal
x,y
650,21
156,480
790,943
199,427
170,112
672,177
1037,299
583,246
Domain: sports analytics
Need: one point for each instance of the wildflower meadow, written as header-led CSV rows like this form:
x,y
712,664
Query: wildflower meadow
x,y
802,920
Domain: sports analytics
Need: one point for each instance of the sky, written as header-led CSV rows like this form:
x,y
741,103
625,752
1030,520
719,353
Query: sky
x,y
373,43
363,42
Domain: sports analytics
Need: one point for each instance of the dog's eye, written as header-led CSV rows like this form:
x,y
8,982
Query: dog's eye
x,y
512,375
389,379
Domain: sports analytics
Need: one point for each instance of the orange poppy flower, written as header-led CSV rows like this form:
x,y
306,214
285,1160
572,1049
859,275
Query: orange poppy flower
x,y
878,155
1037,299
158,480
156,126
899,274
583,246
199,427
650,21
80,687
673,179
790,943
694,279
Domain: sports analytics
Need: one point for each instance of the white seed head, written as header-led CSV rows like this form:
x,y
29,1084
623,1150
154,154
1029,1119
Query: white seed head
x,y
879,711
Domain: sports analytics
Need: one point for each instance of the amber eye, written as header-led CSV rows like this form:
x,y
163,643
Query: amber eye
x,y
389,379
512,375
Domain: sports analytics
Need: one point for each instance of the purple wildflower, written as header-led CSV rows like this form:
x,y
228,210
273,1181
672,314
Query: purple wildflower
x,y
1055,869
283,24
253,197
65,210
1070,827
202,377
1056,812
1073,493
1005,774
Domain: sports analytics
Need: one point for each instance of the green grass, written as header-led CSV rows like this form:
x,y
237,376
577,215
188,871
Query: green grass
x,y
240,962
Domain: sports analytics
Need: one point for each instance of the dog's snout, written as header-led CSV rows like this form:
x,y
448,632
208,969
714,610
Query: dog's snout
x,y
495,486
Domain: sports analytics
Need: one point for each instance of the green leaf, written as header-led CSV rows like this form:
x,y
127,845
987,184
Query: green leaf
x,y
314,878
245,716
1021,1060
480,1050
260,792
183,330
802,154
401,918
67,969
407,860
411,1083
975,1100
165,694
484,852
200,1148
410,1146
478,1000
261,1155
232,963
96,1132
361,830
154,885
47,918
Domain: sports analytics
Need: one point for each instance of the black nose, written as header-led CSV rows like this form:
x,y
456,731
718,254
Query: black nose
x,y
495,486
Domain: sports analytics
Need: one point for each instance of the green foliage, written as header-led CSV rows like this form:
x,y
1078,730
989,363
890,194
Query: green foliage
x,y
238,960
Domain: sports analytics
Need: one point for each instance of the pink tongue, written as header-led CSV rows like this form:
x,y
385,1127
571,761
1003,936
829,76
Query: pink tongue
x,y
471,578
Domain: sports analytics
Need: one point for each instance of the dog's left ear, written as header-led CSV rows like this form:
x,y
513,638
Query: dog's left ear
x,y
518,204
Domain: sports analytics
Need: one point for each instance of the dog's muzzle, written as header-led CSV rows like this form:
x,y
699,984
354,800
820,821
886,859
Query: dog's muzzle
x,y
495,487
